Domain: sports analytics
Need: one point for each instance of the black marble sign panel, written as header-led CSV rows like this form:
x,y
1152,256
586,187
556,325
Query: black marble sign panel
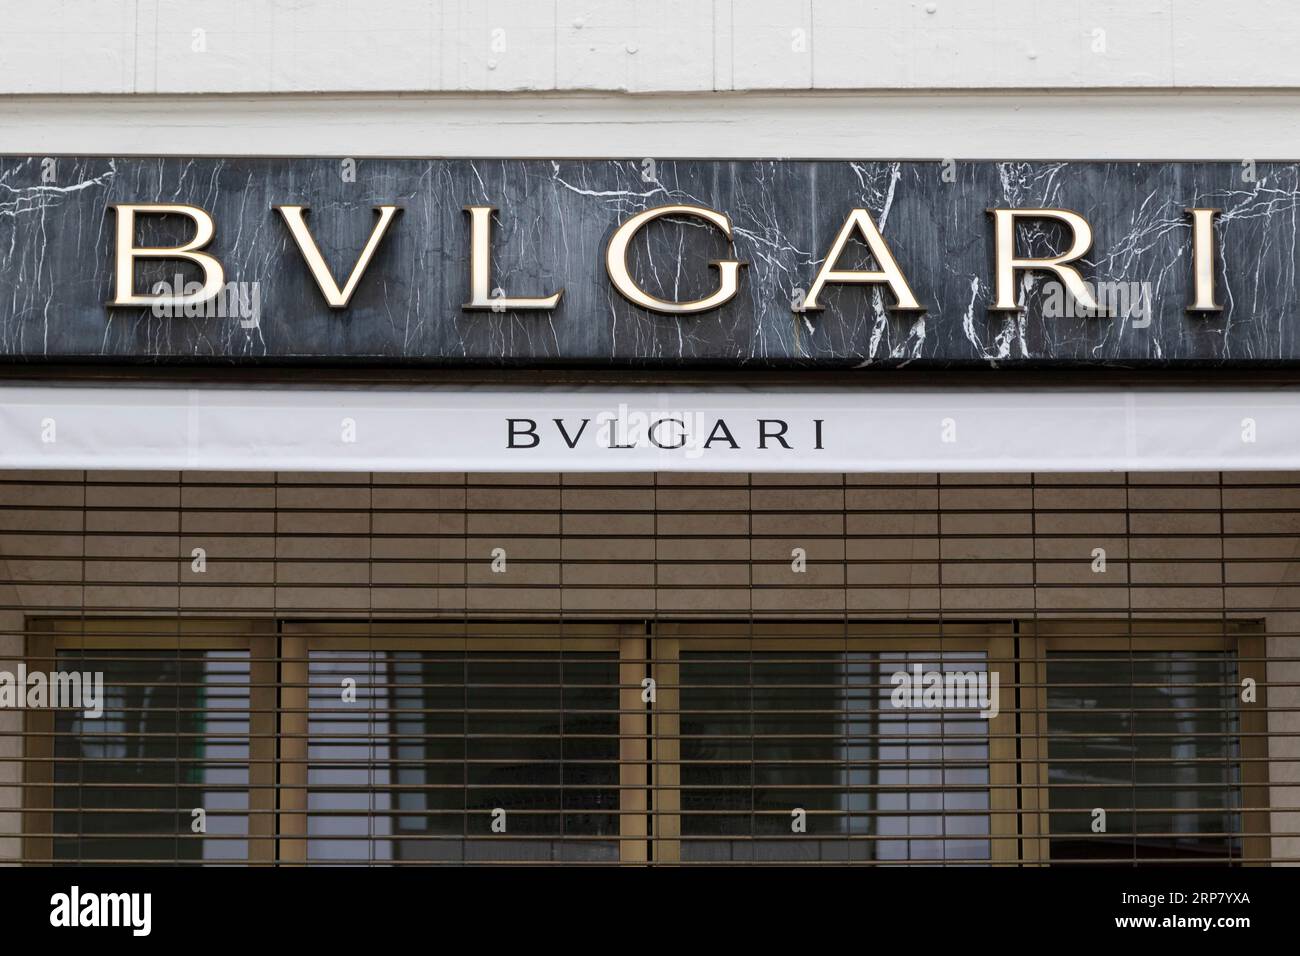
x,y
555,217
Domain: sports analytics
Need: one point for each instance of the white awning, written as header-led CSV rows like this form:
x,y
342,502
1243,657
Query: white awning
x,y
593,429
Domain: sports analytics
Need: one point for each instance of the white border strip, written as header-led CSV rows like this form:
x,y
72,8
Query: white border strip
x,y
458,429
928,125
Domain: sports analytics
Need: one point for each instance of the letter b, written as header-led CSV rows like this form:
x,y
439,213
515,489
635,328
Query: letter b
x,y
517,432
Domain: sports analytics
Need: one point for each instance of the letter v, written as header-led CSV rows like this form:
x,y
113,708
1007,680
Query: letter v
x,y
571,442
295,219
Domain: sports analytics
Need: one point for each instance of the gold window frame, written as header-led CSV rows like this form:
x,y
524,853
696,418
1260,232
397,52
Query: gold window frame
x,y
995,639
1244,638
649,749
46,636
300,638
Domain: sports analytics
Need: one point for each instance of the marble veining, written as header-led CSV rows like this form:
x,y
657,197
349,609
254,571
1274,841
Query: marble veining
x,y
555,218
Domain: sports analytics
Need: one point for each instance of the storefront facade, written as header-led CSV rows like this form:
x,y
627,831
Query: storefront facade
x,y
469,461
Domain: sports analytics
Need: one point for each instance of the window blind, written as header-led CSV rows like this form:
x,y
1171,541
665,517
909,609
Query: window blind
x,y
425,669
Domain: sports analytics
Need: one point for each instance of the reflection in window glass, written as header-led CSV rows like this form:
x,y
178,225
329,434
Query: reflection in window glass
x,y
436,741
173,737
1152,741
762,734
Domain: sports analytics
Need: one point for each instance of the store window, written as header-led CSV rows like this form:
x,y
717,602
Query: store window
x,y
173,765
665,742
1149,755
1159,747
487,753
792,746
